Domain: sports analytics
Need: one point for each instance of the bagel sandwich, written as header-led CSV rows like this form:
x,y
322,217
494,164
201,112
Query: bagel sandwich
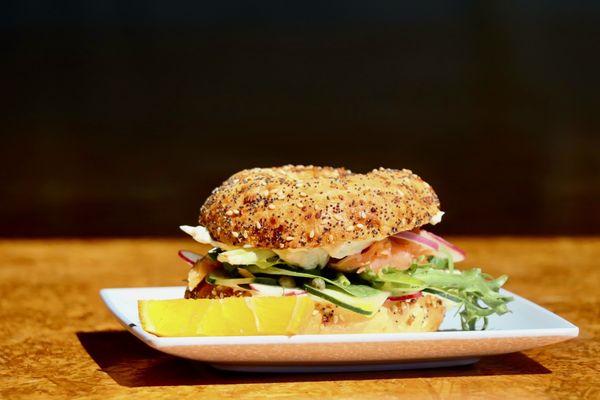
x,y
354,243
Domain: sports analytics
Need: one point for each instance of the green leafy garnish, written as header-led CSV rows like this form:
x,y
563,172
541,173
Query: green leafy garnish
x,y
393,280
476,294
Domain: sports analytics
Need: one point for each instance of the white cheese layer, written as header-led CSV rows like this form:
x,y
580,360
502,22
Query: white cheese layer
x,y
201,235
308,258
305,258
437,218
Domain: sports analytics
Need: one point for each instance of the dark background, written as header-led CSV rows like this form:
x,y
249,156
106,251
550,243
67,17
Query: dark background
x,y
118,119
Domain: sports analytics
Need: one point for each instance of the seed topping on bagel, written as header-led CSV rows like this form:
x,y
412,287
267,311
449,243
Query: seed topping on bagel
x,y
294,207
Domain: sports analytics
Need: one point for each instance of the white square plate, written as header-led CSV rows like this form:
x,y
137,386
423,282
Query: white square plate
x,y
527,326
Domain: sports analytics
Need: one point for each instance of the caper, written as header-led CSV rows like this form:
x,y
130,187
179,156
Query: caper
x,y
286,281
317,283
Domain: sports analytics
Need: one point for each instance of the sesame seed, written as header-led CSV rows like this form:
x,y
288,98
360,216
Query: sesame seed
x,y
338,217
265,193
289,238
235,234
299,204
258,225
281,245
229,213
350,228
303,194
271,206
236,212
247,246
311,234
360,226
245,234
363,214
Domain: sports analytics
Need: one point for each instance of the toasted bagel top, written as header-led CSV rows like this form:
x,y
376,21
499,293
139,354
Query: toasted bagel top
x,y
294,207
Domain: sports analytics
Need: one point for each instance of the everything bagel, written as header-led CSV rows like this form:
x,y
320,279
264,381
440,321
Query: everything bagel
x,y
294,207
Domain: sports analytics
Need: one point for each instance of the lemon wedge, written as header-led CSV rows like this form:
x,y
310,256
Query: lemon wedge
x,y
232,316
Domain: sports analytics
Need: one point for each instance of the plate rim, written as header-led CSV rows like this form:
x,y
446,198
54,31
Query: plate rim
x,y
570,330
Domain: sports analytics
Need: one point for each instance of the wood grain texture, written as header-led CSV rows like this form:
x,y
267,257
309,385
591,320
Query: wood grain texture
x,y
58,340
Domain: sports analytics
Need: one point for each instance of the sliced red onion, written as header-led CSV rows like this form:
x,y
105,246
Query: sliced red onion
x,y
418,239
189,256
457,253
414,295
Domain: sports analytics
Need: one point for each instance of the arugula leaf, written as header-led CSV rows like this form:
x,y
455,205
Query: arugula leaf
x,y
475,293
361,290
393,278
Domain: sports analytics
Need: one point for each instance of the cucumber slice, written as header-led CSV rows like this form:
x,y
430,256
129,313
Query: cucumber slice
x,y
230,282
361,305
265,281
215,279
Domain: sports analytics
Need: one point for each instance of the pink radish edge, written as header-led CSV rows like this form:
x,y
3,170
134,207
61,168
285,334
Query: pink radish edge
x,y
189,256
415,295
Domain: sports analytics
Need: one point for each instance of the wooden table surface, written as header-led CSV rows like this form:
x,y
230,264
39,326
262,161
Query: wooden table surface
x,y
58,340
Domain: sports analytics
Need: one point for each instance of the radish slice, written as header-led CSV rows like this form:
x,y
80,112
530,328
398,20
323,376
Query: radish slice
x,y
189,256
415,295
293,292
457,253
269,290
418,239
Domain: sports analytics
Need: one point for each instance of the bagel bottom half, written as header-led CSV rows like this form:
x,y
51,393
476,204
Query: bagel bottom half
x,y
424,314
